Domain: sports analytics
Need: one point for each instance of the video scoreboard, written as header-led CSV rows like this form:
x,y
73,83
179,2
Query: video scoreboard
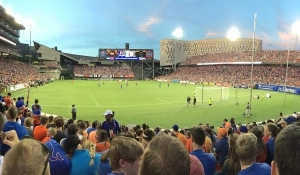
x,y
125,54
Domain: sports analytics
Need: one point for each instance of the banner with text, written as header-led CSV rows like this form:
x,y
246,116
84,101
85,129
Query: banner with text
x,y
270,87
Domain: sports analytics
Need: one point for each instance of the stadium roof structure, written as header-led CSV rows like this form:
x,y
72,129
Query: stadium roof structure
x,y
10,19
78,57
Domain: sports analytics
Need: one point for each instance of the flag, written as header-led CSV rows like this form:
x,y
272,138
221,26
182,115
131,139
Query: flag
x,y
27,101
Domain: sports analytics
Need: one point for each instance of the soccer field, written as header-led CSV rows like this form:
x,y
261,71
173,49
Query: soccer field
x,y
148,103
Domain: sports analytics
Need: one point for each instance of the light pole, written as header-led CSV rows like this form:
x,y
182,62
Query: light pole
x,y
29,23
30,45
286,71
233,34
251,79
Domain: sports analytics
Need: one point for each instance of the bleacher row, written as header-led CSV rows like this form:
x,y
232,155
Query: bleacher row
x,y
103,70
269,56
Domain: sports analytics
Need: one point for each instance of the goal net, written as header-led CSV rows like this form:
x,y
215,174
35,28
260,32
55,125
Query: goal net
x,y
216,93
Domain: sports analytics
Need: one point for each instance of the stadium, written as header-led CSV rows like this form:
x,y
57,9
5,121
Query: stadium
x,y
211,83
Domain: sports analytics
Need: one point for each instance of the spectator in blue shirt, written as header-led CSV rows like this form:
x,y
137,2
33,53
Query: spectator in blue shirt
x,y
1,97
222,147
36,103
20,103
271,131
111,126
11,124
208,160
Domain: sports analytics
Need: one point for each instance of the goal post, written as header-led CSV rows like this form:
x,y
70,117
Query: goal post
x,y
216,93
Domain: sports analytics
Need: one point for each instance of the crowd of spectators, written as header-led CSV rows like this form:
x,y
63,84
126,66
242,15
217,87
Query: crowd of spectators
x,y
268,56
14,72
103,70
10,50
237,74
106,147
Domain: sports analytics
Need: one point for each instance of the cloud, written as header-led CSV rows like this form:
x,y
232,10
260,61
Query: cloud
x,y
285,36
210,33
144,27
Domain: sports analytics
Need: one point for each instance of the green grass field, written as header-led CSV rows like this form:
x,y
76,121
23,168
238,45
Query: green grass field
x,y
147,103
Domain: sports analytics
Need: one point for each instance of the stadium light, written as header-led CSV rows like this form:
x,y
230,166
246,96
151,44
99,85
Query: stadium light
x,y
233,34
177,33
296,30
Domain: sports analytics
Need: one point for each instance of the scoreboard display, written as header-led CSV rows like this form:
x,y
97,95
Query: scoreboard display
x,y
125,54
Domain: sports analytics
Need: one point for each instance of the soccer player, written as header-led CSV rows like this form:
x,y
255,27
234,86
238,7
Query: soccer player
x,y
194,101
159,85
209,103
188,101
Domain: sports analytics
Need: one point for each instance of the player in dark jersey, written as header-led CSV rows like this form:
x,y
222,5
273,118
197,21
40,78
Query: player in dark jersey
x,y
188,101
194,101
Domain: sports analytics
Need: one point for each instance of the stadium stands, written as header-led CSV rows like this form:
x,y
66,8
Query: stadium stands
x,y
270,56
14,72
237,74
103,70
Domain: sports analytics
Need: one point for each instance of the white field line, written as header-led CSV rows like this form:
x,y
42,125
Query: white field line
x,y
121,106
162,100
94,100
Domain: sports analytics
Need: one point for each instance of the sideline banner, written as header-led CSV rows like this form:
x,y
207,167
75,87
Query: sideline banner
x,y
270,87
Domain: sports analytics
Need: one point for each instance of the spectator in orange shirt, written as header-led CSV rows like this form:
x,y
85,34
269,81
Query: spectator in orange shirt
x,y
8,101
227,124
50,134
102,142
180,136
40,132
188,144
92,135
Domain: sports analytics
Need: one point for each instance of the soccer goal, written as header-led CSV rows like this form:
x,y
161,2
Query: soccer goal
x,y
216,93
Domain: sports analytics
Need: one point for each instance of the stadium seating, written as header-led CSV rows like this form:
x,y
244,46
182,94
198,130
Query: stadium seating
x,y
103,70
269,56
237,74
14,72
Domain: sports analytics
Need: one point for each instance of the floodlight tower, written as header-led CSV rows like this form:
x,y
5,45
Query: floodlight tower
x,y
29,23
251,79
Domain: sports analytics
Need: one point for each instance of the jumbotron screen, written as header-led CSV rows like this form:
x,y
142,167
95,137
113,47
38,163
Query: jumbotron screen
x,y
125,54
